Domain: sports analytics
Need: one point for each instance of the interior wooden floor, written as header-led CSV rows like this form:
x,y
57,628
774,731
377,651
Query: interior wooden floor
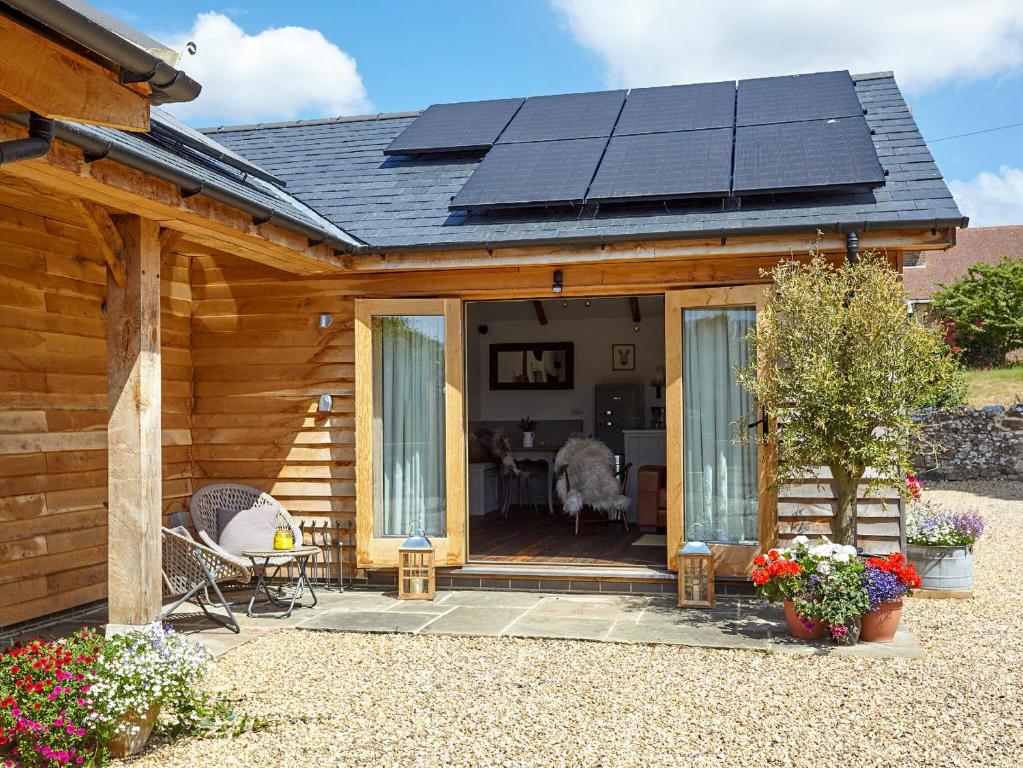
x,y
525,537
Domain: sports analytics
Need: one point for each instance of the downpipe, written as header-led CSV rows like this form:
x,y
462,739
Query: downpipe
x,y
36,145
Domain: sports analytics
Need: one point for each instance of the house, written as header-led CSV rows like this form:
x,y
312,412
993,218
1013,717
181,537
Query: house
x,y
336,310
925,274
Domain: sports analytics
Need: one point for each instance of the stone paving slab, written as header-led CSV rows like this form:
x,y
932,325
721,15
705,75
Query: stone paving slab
x,y
734,622
471,620
562,627
369,621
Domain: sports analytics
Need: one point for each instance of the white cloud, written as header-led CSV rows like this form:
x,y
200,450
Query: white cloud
x,y
659,42
277,74
991,198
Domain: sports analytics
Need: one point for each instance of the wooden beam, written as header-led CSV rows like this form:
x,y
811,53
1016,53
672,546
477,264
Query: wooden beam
x,y
169,240
694,248
101,227
634,309
541,316
134,479
201,219
49,79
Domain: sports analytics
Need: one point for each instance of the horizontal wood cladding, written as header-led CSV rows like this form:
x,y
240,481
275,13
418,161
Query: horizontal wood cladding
x,y
53,403
808,508
261,362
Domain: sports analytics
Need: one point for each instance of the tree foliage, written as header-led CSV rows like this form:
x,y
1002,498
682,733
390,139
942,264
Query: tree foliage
x,y
986,308
842,366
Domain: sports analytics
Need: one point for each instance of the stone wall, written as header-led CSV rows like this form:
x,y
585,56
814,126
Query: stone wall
x,y
970,443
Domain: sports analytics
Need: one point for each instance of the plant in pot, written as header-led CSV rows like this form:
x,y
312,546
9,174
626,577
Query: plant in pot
x,y
833,590
941,545
528,427
45,702
778,576
142,675
887,580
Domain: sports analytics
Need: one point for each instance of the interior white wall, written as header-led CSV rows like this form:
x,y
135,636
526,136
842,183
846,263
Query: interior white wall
x,y
592,337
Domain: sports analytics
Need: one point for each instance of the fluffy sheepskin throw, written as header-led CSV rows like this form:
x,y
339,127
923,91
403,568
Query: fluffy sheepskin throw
x,y
591,480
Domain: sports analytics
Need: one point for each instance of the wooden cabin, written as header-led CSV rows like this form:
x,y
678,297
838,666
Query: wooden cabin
x,y
336,311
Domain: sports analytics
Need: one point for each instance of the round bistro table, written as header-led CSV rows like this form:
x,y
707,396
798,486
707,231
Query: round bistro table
x,y
262,559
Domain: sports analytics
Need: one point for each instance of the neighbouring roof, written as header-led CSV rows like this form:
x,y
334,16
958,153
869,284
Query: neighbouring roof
x,y
337,167
982,245
139,57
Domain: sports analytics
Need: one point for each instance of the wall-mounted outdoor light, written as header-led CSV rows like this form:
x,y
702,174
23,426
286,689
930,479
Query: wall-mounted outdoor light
x,y
326,319
559,279
326,404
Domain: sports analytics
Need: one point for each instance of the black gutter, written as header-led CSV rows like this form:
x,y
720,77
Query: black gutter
x,y
189,184
842,227
38,143
137,65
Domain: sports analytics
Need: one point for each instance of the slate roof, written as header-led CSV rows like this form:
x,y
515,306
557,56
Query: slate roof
x,y
982,245
401,203
165,144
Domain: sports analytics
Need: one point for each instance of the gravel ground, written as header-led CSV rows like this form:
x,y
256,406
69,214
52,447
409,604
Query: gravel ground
x,y
394,700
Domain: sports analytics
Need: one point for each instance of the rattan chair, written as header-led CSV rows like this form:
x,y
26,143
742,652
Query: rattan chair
x,y
207,500
191,570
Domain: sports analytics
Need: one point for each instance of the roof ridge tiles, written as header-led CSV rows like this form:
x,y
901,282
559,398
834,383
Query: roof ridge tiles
x,y
314,121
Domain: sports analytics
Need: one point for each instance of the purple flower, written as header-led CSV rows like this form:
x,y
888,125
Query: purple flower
x,y
882,587
969,524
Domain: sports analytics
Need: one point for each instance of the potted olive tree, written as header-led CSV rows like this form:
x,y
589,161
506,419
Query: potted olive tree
x,y
841,366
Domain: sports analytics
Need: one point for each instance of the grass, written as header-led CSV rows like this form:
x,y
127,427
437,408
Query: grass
x,y
998,386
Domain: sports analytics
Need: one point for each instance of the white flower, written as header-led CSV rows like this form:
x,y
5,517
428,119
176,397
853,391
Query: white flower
x,y
840,557
824,567
800,540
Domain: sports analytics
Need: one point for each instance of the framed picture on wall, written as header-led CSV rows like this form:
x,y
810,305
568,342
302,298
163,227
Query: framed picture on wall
x,y
623,357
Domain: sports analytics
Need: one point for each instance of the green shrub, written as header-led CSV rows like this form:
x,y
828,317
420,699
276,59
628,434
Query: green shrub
x,y
984,311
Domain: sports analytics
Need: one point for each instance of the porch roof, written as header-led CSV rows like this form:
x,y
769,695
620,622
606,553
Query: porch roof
x,y
199,165
398,203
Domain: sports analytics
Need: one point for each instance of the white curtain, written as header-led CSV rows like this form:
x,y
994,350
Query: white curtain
x,y
409,480
721,500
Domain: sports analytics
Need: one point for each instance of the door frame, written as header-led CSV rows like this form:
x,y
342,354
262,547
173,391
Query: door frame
x,y
729,560
382,552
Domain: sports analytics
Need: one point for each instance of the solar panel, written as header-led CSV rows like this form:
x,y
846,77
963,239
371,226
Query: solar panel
x,y
537,173
570,116
661,166
462,127
809,155
796,97
678,108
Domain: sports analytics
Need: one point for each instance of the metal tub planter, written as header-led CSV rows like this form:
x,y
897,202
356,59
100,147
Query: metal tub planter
x,y
948,569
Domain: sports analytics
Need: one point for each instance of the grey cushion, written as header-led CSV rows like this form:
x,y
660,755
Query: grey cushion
x,y
239,530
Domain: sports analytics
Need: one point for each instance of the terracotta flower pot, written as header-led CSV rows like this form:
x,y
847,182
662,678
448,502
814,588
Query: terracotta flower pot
x,y
132,741
796,627
879,626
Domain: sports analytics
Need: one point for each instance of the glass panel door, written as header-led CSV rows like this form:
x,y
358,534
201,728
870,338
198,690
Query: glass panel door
x,y
720,503
408,416
718,486
410,453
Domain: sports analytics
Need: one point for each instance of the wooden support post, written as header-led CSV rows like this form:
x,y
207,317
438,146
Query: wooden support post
x,y
134,484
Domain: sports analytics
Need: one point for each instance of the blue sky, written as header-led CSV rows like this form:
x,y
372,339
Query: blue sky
x,y
405,54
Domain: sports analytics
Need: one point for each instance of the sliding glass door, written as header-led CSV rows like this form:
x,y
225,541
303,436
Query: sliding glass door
x,y
719,479
410,461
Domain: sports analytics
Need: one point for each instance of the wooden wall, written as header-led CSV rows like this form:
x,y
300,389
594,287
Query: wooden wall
x,y
53,404
261,363
244,364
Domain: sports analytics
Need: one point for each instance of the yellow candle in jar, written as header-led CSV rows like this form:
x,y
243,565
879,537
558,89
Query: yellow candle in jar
x,y
283,540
